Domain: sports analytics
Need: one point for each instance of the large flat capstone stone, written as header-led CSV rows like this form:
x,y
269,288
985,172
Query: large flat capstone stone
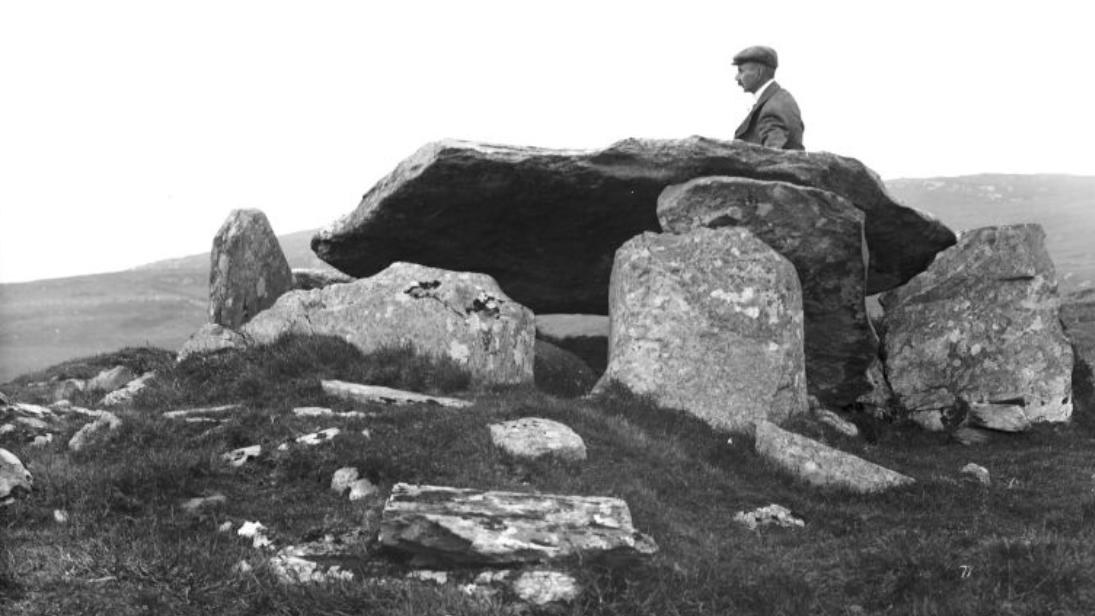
x,y
546,223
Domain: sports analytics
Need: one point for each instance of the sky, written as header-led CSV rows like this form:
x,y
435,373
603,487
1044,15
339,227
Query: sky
x,y
130,130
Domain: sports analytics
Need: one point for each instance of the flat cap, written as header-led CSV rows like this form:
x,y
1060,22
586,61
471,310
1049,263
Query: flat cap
x,y
758,53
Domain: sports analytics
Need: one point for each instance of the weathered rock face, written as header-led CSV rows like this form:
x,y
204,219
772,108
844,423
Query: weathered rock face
x,y
709,322
109,380
546,223
821,234
248,271
821,465
15,480
463,316
471,527
210,338
982,325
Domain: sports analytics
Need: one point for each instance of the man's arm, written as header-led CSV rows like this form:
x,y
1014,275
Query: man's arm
x,y
773,130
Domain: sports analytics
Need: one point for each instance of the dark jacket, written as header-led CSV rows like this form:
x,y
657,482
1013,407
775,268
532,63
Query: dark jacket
x,y
774,121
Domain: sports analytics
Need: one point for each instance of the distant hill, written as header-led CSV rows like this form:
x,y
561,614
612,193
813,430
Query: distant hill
x,y
45,322
1063,204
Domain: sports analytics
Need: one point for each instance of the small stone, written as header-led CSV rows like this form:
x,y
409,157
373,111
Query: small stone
x,y
112,379
242,567
543,587
239,457
978,472
256,532
43,440
385,395
312,411
970,436
97,431
932,421
343,478
225,527
205,410
437,577
772,515
199,504
361,489
60,516
316,438
534,437
836,422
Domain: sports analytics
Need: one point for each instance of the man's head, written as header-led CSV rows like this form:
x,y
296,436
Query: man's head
x,y
756,65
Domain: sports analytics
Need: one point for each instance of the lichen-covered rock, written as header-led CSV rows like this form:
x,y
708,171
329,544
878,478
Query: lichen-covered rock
x,y
545,223
248,271
211,338
709,322
982,325
15,480
821,234
821,465
462,316
534,437
472,527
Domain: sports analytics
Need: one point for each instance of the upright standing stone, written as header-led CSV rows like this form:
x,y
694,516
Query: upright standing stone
x,y
982,326
821,234
709,322
248,271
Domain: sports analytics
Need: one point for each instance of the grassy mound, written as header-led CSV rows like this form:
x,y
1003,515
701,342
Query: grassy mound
x,y
1024,545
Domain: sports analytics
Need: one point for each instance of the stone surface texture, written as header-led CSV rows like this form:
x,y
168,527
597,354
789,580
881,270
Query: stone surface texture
x,y
211,338
248,271
471,527
98,431
462,316
545,223
821,465
15,480
821,234
709,322
542,588
123,396
982,325
534,437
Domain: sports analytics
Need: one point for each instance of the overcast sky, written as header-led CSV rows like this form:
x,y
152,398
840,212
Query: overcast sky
x,y
129,130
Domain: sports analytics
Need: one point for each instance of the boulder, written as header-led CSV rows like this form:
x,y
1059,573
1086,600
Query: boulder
x,y
978,473
462,316
15,480
248,271
821,234
63,390
546,223
534,437
982,325
308,279
470,527
821,465
109,380
211,338
709,322
561,373
98,431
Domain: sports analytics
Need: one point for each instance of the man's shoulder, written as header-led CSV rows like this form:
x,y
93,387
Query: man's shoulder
x,y
781,98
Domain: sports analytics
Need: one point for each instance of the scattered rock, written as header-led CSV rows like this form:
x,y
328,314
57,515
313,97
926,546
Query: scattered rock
x,y
96,432
330,559
292,569
982,325
60,516
532,437
124,395
112,379
772,515
239,457
248,271
471,527
709,322
458,315
385,395
821,465
362,489
980,473
205,410
211,338
42,441
970,436
15,480
343,478
67,388
541,588
313,438
545,223
836,422
256,532
425,575
999,417
932,421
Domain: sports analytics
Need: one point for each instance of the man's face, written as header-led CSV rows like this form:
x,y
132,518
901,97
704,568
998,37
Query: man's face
x,y
750,75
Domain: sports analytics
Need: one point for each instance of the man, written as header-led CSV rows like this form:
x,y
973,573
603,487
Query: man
x,y
775,120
